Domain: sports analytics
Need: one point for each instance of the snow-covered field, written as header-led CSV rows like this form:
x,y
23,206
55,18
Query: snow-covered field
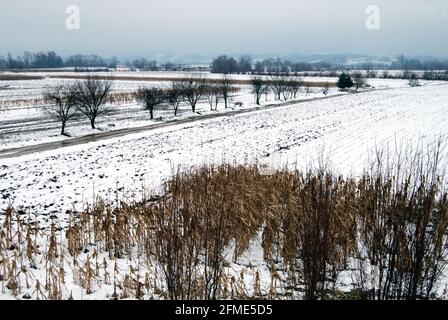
x,y
346,128
27,88
342,130
26,124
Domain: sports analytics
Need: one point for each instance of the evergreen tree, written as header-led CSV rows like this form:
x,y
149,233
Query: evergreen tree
x,y
345,82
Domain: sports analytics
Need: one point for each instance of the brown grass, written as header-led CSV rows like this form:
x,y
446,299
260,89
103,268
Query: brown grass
x,y
314,226
248,82
16,77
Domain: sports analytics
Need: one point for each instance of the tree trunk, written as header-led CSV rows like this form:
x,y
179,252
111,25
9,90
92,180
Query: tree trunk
x,y
92,123
63,128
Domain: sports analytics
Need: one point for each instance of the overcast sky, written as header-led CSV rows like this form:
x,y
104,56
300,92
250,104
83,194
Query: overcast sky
x,y
278,27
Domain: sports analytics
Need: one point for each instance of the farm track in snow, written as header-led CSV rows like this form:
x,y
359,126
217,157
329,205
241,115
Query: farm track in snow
x,y
16,152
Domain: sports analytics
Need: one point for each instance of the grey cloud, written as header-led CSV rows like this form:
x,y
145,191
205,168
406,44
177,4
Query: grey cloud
x,y
118,27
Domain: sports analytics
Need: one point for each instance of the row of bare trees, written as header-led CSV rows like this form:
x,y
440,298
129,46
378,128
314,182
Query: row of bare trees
x,y
88,98
190,91
282,86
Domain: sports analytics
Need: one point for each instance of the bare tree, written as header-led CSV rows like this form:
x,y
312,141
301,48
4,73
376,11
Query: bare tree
x,y
175,96
286,90
213,95
193,90
258,88
225,88
217,95
291,88
92,95
62,104
276,87
212,91
279,85
359,80
150,98
266,91
295,85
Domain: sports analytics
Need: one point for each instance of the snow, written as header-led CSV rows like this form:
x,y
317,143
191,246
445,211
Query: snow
x,y
26,125
342,130
345,128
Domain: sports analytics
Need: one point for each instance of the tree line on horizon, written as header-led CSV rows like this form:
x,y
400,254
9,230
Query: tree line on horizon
x,y
245,64
224,64
52,60
36,60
